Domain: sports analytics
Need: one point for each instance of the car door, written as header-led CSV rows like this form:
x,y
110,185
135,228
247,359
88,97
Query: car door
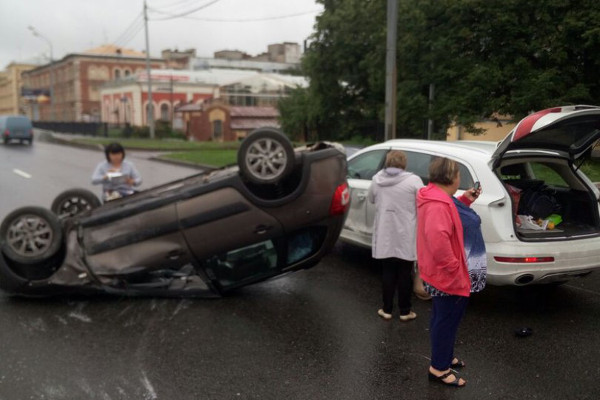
x,y
418,164
224,221
361,169
131,240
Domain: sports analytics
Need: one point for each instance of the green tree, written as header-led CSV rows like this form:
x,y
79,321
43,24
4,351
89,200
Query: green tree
x,y
482,56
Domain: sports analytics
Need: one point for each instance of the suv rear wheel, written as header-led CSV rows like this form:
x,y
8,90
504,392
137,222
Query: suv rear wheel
x,y
266,156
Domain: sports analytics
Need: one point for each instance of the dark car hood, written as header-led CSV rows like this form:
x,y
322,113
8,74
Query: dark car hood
x,y
571,129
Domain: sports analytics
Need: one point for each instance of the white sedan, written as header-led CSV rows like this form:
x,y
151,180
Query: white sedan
x,y
541,153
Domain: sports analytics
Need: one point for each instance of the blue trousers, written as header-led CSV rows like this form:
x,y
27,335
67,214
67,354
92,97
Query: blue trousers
x,y
446,313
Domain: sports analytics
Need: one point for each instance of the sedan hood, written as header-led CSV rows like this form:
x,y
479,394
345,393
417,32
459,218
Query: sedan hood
x,y
572,129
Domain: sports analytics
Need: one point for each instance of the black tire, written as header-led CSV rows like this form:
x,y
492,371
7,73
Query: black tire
x,y
266,156
30,235
10,282
73,202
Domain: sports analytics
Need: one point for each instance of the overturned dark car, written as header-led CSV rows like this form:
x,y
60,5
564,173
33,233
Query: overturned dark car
x,y
280,209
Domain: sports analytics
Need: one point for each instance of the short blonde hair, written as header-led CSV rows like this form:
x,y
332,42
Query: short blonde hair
x,y
443,171
395,159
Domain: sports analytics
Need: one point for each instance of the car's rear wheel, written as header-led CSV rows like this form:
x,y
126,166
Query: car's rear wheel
x,y
266,156
30,235
74,201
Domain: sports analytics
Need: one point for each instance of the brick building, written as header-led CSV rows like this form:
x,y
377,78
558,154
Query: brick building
x,y
221,122
126,100
10,88
176,93
74,82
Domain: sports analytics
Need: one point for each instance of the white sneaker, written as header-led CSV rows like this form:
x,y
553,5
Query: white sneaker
x,y
384,315
410,316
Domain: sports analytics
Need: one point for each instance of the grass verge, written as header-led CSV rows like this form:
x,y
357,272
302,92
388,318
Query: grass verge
x,y
215,158
161,145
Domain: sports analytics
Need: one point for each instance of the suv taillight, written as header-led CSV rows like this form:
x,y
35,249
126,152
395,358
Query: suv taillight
x,y
524,259
341,200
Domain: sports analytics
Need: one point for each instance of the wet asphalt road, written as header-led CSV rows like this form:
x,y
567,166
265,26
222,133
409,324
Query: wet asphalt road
x,y
309,335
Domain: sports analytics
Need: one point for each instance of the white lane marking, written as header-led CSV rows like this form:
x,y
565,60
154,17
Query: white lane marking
x,y
21,173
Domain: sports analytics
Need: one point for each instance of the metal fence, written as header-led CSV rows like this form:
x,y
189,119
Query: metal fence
x,y
82,128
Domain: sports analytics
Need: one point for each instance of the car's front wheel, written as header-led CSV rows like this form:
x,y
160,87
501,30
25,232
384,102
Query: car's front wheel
x,y
30,235
266,156
74,201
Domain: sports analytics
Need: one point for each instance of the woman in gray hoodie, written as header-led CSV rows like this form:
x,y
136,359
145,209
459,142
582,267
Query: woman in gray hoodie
x,y
393,191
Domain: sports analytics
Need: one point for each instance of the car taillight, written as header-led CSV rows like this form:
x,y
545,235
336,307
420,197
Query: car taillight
x,y
526,260
6,133
341,200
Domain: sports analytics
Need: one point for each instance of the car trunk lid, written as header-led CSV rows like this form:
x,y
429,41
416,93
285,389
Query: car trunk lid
x,y
572,129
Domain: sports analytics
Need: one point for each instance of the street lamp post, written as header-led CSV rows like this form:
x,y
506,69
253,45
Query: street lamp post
x,y
37,34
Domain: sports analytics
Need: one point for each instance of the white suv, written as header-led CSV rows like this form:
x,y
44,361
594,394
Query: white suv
x,y
543,149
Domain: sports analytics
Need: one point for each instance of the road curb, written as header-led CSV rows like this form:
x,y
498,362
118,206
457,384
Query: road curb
x,y
48,136
183,164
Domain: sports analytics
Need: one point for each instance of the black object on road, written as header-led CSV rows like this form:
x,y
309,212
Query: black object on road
x,y
523,332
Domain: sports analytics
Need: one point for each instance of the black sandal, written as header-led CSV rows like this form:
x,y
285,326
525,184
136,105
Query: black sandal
x,y
458,364
440,379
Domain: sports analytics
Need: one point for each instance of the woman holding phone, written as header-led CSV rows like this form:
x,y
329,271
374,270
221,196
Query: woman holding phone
x,y
443,264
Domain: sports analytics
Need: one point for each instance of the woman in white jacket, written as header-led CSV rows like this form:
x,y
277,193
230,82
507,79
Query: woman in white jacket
x,y
394,191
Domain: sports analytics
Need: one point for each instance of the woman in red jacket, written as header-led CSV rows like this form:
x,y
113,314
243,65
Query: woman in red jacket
x,y
443,264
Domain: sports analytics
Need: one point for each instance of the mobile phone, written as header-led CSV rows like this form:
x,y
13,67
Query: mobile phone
x,y
476,187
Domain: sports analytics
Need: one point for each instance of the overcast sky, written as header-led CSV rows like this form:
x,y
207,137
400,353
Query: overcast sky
x,y
76,25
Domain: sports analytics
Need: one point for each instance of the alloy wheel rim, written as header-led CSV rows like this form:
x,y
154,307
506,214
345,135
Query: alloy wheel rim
x,y
29,235
73,206
266,159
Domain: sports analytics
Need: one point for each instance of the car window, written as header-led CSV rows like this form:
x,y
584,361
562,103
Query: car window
x,y
548,175
247,262
19,123
418,164
304,243
366,165
466,180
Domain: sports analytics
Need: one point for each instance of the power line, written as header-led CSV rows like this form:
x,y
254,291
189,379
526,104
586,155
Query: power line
x,y
183,14
133,26
131,35
247,19
258,19
179,3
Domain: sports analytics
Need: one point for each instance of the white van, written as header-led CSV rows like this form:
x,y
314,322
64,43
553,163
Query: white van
x,y
16,127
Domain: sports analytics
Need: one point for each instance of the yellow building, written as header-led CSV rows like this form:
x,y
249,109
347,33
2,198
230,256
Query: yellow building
x,y
10,88
496,129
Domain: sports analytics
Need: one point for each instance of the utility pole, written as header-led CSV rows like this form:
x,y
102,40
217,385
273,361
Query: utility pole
x,y
390,69
150,104
430,107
